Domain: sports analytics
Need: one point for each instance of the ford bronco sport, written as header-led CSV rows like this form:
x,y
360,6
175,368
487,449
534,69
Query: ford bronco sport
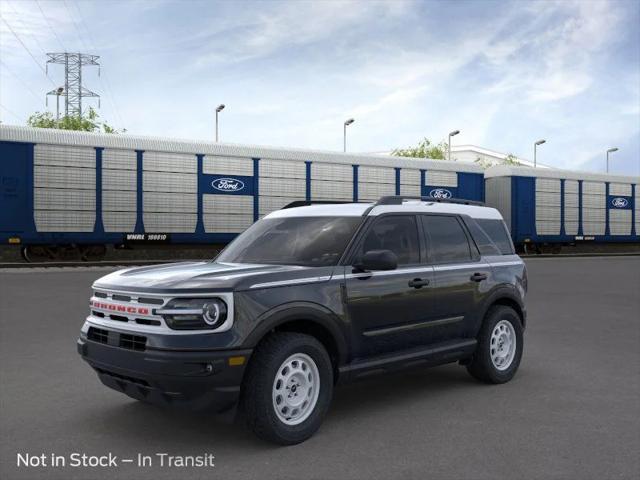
x,y
309,297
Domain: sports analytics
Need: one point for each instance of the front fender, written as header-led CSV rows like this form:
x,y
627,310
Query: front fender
x,y
307,311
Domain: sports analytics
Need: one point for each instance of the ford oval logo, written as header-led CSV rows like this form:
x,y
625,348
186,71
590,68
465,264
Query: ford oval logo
x,y
440,193
619,202
228,184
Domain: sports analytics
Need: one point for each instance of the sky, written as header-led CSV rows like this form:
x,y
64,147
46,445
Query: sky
x,y
290,73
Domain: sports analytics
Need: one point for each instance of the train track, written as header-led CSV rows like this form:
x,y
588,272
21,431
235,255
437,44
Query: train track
x,y
136,263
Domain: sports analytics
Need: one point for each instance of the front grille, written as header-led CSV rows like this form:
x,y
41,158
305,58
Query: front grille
x,y
98,335
133,342
127,309
122,340
152,301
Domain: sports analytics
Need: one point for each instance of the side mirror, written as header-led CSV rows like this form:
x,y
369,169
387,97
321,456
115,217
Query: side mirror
x,y
377,260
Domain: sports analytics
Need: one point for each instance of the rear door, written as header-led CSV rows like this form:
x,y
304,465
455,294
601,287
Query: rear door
x,y
388,309
13,187
460,276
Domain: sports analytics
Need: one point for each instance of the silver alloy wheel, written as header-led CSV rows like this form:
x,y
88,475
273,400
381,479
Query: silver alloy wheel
x,y
503,345
296,389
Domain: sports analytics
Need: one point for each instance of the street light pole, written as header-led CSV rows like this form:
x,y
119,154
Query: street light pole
x,y
535,151
58,93
611,150
218,110
344,137
451,134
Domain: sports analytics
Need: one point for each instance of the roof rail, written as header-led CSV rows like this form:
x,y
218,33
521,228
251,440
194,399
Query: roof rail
x,y
306,203
398,199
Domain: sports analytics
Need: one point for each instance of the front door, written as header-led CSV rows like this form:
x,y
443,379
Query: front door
x,y
388,309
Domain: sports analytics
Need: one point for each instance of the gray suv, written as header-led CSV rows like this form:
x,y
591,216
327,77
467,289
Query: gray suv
x,y
309,297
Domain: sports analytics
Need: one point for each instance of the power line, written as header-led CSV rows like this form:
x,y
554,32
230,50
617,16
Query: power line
x,y
24,84
50,27
106,84
26,30
10,112
75,25
28,51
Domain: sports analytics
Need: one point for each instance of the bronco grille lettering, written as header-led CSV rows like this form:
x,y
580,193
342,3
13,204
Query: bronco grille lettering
x,y
119,308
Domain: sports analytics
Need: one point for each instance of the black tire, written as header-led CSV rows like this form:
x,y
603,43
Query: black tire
x,y
256,401
481,366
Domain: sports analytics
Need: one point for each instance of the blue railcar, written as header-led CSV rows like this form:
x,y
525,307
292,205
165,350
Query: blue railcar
x,y
558,207
85,190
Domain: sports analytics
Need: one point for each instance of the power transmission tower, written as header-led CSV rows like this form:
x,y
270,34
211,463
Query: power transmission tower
x,y
73,91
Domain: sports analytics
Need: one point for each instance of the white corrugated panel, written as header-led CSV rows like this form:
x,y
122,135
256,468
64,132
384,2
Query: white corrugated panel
x,y
64,156
282,169
620,222
270,204
547,213
119,159
169,202
593,228
119,201
169,222
571,228
596,188
64,220
119,180
440,178
228,204
331,190
547,185
571,186
594,215
594,201
376,175
412,190
64,177
218,165
373,191
283,187
64,199
409,176
548,199
571,200
119,221
226,223
331,171
547,227
169,182
620,189
169,162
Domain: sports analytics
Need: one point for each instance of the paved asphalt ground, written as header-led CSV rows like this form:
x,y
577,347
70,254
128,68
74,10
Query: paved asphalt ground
x,y
572,411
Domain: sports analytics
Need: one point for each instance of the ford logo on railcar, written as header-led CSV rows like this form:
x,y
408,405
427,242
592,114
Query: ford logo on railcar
x,y
440,193
228,184
619,202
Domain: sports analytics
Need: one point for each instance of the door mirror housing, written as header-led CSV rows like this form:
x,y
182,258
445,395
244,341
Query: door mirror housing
x,y
377,260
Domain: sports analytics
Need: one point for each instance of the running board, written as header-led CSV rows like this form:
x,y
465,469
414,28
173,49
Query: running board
x,y
445,352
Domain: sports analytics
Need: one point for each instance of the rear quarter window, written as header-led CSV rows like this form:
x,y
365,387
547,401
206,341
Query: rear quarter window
x,y
497,232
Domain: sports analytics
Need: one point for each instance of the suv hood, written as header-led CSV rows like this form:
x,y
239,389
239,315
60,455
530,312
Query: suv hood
x,y
198,277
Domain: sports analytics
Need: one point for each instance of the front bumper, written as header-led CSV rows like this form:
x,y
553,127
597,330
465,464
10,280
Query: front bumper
x,y
191,379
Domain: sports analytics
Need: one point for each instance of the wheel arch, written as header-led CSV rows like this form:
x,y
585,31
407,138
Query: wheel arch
x,y
508,298
308,318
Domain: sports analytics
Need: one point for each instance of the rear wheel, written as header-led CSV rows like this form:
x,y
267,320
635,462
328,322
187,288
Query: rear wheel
x,y
499,349
288,388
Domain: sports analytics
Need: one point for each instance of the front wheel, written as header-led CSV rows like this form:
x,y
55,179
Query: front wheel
x,y
288,388
499,349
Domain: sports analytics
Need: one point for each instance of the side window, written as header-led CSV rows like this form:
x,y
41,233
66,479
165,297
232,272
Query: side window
x,y
396,233
497,232
447,240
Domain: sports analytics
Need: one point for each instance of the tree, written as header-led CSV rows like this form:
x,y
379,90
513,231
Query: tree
x,y
510,159
424,149
88,122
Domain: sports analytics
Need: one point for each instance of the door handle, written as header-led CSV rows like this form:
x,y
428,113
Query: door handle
x,y
418,282
478,277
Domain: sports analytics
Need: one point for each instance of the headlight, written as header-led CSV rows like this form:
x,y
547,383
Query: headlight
x,y
194,313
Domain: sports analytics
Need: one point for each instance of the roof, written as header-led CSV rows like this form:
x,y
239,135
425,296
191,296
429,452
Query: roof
x,y
511,171
130,142
408,206
493,153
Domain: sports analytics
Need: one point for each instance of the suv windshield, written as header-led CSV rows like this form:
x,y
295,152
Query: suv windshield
x,y
307,241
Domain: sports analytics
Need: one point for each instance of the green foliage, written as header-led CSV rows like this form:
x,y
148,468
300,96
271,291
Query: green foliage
x,y
424,149
88,122
510,159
